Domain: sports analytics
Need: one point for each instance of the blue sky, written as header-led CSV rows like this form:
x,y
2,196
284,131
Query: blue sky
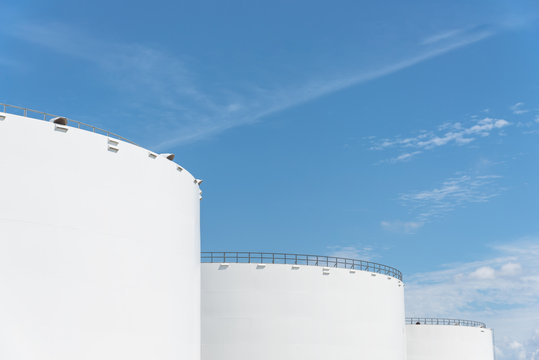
x,y
402,133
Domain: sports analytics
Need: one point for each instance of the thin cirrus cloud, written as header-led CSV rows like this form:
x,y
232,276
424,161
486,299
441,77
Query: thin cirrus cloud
x,y
502,291
165,87
269,101
518,108
442,36
407,227
448,134
450,35
352,252
455,192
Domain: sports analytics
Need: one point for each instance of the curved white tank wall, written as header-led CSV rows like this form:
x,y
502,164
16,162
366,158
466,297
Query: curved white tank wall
x,y
99,248
288,313
449,342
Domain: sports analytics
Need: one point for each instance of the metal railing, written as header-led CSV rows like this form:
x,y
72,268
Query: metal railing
x,y
298,259
442,321
40,115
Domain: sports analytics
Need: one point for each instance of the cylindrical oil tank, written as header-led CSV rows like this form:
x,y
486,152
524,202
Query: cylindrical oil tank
x,y
448,339
285,306
99,247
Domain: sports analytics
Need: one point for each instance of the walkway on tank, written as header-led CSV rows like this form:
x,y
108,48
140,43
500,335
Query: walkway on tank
x,y
247,257
40,115
443,321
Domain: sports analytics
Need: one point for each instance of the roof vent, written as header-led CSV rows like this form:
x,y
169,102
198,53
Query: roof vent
x,y
59,120
168,156
198,181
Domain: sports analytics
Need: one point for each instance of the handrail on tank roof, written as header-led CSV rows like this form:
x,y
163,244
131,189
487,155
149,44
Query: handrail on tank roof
x,y
16,110
297,259
443,321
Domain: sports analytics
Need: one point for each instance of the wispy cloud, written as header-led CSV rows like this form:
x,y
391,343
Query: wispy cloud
x,y
453,193
405,156
502,291
156,84
352,252
450,133
450,34
270,101
407,227
168,88
453,34
518,108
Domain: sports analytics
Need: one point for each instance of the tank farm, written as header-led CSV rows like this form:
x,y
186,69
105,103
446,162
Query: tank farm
x,y
100,259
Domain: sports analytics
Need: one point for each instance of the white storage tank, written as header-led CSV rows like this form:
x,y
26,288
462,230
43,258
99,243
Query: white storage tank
x,y
99,246
448,339
270,306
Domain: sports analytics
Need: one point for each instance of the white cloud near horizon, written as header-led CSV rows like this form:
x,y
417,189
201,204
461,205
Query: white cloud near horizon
x,y
502,291
169,90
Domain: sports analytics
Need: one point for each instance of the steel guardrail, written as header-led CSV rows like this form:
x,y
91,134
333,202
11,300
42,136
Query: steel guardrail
x,y
443,321
18,110
297,259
